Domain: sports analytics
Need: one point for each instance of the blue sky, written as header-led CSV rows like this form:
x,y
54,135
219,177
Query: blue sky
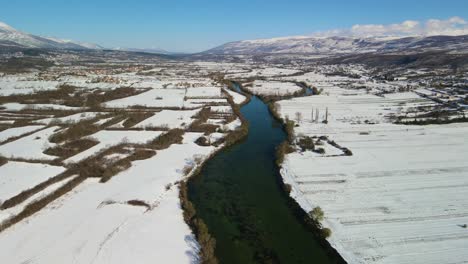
x,y
182,25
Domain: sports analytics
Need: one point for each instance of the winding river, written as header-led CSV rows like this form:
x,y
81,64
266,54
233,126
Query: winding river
x,y
238,195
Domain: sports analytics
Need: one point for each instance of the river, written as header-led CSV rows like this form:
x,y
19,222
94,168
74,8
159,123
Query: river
x,y
238,195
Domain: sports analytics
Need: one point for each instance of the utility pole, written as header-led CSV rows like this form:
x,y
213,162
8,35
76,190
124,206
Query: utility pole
x,y
312,116
316,115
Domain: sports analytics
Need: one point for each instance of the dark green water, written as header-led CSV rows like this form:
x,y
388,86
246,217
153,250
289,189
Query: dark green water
x,y
238,196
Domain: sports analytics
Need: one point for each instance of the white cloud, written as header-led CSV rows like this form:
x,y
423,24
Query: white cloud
x,y
452,27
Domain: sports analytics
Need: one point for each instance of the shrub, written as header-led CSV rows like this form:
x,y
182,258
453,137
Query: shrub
x,y
173,136
71,148
135,118
283,149
75,131
347,152
316,214
202,141
306,143
320,150
326,232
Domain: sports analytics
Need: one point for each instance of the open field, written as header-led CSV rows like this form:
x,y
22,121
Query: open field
x,y
390,193
91,162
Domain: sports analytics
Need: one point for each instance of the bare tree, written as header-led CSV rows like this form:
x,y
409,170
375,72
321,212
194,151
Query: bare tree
x,y
298,117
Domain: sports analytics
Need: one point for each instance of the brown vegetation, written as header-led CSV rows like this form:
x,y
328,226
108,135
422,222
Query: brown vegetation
x,y
204,238
76,131
71,148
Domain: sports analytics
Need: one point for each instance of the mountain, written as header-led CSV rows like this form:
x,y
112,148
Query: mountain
x,y
10,37
342,45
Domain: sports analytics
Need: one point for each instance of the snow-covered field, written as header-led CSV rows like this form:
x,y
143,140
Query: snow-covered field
x,y
94,223
401,196
135,216
272,88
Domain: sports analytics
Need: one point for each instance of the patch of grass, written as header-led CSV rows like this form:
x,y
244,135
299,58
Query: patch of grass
x,y
173,136
76,131
71,148
135,118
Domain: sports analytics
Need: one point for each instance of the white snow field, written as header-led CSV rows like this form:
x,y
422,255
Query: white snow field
x,y
203,92
401,196
152,98
94,223
16,177
273,88
24,85
31,146
134,216
108,139
17,132
236,97
169,119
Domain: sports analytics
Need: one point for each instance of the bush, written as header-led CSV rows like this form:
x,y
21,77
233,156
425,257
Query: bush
x,y
347,152
71,148
320,150
173,136
306,143
75,131
135,118
287,188
202,141
316,214
326,232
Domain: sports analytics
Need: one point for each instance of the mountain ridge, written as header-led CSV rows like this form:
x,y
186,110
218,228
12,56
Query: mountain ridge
x,y
341,45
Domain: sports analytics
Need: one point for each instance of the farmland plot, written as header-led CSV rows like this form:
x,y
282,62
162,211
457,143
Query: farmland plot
x,y
399,196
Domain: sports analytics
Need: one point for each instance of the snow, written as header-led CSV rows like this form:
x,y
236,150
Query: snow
x,y
236,97
69,119
273,88
17,85
111,138
16,177
18,107
400,198
203,92
17,131
170,119
30,147
108,230
152,98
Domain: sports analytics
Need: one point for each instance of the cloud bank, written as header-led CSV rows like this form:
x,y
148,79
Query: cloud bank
x,y
453,26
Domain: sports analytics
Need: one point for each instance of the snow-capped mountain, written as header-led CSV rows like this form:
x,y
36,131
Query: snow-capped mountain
x,y
339,45
12,37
